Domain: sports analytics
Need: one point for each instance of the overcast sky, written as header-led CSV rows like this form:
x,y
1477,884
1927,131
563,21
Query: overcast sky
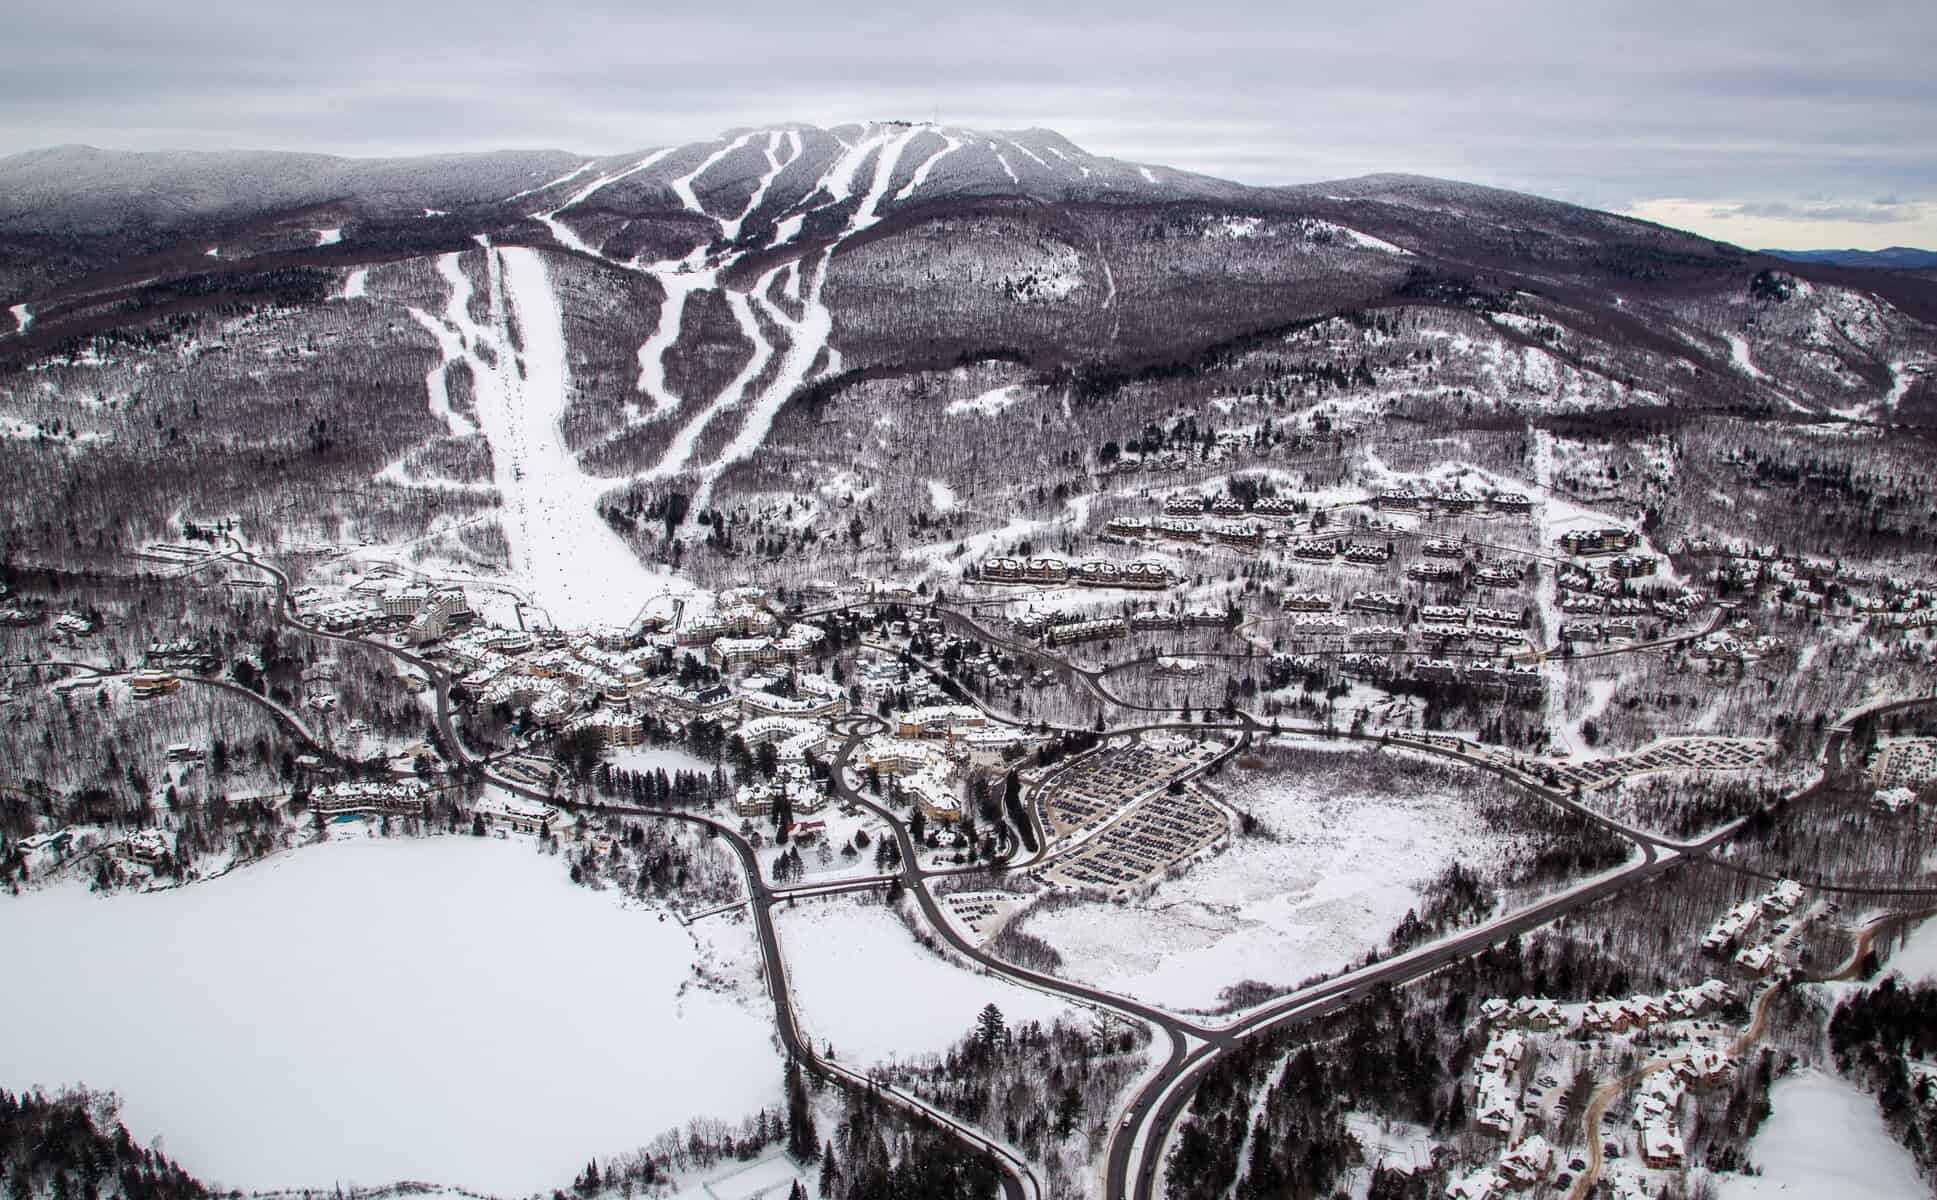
x,y
1772,123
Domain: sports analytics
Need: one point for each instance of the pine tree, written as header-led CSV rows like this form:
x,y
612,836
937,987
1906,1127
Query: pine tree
x,y
830,1174
988,1026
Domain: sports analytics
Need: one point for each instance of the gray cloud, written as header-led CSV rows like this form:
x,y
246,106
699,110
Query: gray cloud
x,y
1879,213
1607,104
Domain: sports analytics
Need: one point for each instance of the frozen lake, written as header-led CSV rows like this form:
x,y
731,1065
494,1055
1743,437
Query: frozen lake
x,y
450,1009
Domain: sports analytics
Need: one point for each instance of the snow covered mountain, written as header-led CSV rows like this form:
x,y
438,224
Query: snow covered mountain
x,y
573,349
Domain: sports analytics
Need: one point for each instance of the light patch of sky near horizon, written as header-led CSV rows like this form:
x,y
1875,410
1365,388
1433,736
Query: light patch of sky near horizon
x,y
1671,109
1913,225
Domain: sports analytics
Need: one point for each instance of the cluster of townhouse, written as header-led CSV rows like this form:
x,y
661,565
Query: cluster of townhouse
x,y
1496,1101
1059,629
1101,573
1524,1166
386,797
1734,925
1452,500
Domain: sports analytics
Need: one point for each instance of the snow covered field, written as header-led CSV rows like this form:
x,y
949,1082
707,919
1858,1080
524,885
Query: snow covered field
x,y
372,1010
862,982
1825,1139
1916,959
1346,869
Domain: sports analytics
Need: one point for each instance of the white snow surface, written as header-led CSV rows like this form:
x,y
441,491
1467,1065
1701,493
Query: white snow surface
x,y
1739,357
430,997
1347,869
577,569
329,237
21,318
942,496
357,284
862,982
1916,959
1825,1138
988,404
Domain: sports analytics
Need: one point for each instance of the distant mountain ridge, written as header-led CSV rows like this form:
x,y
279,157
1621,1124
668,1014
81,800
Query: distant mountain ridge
x,y
1895,258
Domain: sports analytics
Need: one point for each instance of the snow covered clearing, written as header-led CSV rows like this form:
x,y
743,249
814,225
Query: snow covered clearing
x,y
1366,241
1900,380
862,983
411,985
656,758
941,496
1824,1138
329,237
22,317
1916,959
988,404
355,285
1739,357
1344,866
1148,176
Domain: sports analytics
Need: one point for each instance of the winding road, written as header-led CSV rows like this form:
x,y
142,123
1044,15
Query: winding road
x,y
1139,1133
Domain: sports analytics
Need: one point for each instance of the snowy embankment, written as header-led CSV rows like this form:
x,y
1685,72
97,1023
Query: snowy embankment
x,y
864,985
376,1010
1343,872
1916,959
1825,1138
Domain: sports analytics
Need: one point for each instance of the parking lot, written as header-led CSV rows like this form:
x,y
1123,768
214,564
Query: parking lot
x,y
1160,833
1905,762
1100,786
1676,754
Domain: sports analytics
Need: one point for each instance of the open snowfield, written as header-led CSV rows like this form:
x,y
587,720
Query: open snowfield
x,y
862,982
1825,1139
1347,865
1916,959
656,758
371,1010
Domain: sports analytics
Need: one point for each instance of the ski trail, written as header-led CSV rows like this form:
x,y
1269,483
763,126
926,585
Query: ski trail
x,y
787,229
680,280
450,345
1027,152
546,187
562,232
581,571
680,451
868,215
921,172
775,165
683,186
1068,160
1148,175
838,183
1006,168
1900,381
806,338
